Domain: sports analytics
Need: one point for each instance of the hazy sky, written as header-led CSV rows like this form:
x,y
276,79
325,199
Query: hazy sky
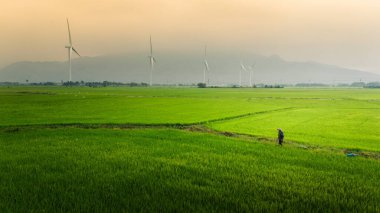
x,y
341,32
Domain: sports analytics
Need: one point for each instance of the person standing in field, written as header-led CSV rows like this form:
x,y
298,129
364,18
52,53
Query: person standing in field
x,y
280,136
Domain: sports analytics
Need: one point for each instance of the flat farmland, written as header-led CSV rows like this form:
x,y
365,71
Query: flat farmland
x,y
344,118
353,128
188,149
122,105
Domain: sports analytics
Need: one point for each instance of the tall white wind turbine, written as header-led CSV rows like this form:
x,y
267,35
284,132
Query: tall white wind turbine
x,y
206,67
152,61
70,48
250,74
242,68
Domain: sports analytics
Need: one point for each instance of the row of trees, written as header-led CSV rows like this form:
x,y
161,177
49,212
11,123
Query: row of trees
x,y
354,84
203,85
372,85
78,83
103,84
199,85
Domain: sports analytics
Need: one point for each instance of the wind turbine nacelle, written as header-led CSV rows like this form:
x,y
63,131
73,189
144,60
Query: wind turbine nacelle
x,y
67,46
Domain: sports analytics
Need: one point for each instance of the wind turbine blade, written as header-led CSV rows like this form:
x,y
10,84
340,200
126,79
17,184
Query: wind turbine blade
x,y
152,60
243,67
205,51
76,52
68,27
151,46
206,65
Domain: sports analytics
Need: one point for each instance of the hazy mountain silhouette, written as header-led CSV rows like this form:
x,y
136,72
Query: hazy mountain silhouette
x,y
183,68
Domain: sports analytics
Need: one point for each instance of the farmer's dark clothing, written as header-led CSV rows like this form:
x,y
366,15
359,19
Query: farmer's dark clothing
x,y
280,137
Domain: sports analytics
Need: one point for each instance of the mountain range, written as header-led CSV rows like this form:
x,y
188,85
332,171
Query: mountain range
x,y
185,68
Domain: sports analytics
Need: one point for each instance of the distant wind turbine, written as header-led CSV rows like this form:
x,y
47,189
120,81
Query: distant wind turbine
x,y
152,61
70,48
250,74
242,69
206,67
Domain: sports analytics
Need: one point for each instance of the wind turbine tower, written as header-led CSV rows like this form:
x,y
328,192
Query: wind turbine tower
x,y
242,69
250,74
70,48
152,61
206,67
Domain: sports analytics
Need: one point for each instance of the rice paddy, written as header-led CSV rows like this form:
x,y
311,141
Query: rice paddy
x,y
188,149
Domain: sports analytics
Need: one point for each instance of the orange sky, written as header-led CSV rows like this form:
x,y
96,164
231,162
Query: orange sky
x,y
341,32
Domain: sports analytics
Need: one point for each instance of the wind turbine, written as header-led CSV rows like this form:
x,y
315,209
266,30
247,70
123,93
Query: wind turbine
x,y
152,61
242,69
206,67
70,48
250,74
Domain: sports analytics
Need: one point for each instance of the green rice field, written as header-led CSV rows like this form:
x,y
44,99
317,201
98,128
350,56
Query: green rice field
x,y
117,149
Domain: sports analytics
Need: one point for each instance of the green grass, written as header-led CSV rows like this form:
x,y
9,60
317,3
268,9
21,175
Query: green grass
x,y
47,166
120,105
343,118
100,170
343,128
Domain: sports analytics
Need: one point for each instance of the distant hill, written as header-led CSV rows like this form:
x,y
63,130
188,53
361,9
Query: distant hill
x,y
183,68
